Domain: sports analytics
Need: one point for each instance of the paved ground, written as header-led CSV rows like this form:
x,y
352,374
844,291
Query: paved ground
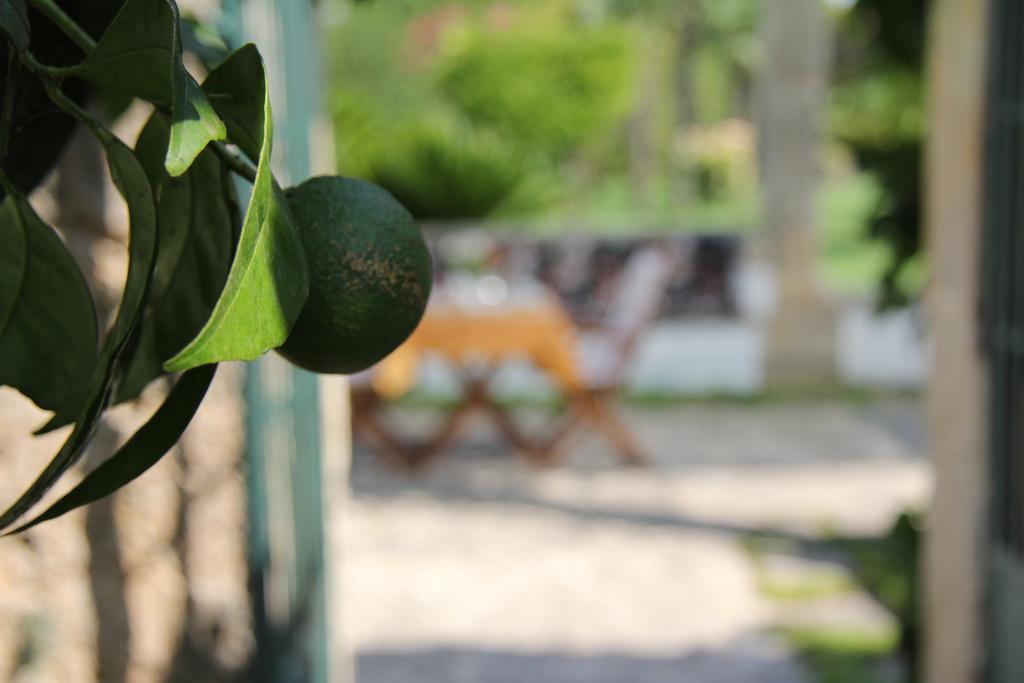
x,y
486,570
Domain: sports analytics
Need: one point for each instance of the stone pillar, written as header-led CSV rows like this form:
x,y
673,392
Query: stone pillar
x,y
954,544
791,91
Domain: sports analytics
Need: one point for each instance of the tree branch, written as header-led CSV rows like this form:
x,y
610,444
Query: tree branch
x,y
233,161
7,113
48,74
66,24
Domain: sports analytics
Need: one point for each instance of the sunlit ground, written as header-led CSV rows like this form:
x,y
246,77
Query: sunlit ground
x,y
728,559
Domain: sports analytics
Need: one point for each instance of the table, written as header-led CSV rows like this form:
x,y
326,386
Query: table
x,y
477,325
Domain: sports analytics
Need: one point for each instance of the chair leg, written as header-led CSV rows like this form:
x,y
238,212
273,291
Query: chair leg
x,y
528,448
388,448
549,452
593,407
435,446
365,410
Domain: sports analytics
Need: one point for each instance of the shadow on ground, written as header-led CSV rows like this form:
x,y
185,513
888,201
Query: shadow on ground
x,y
756,660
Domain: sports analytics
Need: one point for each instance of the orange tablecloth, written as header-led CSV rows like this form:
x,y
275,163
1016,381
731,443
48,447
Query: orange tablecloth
x,y
541,333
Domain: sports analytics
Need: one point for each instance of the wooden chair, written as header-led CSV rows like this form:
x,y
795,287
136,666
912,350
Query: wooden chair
x,y
606,351
368,414
603,358
366,408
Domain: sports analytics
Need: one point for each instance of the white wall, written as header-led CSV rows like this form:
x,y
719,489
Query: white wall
x,y
719,356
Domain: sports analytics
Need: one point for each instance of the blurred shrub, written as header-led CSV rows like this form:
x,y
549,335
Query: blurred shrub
x,y
881,110
358,129
720,158
479,108
889,568
878,110
446,172
548,87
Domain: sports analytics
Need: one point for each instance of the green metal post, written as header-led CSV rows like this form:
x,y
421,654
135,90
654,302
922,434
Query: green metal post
x,y
283,452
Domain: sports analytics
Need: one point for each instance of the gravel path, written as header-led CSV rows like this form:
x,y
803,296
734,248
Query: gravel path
x,y
486,570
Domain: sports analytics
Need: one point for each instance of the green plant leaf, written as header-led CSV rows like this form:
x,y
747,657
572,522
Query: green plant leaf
x,y
131,181
13,260
140,55
143,450
47,319
268,282
238,91
14,23
197,231
87,405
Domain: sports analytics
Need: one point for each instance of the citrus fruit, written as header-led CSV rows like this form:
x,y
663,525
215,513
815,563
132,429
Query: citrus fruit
x,y
369,275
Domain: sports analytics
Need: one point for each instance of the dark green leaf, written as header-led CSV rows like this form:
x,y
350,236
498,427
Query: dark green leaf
x,y
197,232
13,260
130,180
47,320
195,124
14,23
87,406
238,91
268,282
140,55
150,150
40,131
143,450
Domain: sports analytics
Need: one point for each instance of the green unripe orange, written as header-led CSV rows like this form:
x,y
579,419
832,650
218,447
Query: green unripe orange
x,y
369,275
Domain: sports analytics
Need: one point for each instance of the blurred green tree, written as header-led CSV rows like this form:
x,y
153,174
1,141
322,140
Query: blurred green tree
x,y
476,108
878,112
544,86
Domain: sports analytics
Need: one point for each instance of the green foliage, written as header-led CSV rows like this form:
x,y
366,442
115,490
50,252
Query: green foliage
x,y
888,568
878,111
851,263
192,261
726,52
89,400
133,57
409,113
369,63
548,88
14,23
195,279
883,110
43,129
442,173
580,92
268,282
131,182
46,313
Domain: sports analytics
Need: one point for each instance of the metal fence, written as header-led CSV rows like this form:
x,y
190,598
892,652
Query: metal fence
x,y
1003,320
